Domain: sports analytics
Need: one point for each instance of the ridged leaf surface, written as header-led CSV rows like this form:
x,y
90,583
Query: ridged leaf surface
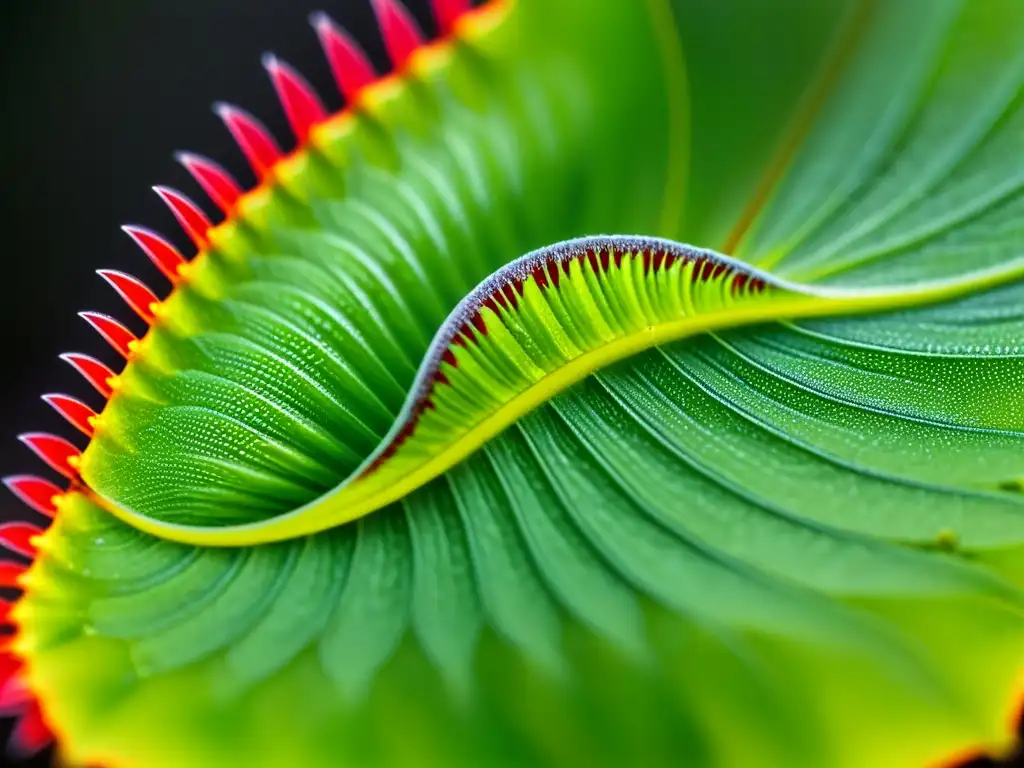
x,y
795,544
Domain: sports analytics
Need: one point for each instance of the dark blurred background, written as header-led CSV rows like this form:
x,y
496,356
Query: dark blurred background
x,y
96,96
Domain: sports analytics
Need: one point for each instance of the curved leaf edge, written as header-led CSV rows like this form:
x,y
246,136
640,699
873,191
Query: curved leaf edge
x,y
741,295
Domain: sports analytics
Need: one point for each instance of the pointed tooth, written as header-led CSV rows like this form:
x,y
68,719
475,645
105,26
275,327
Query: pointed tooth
x,y
93,371
77,413
218,184
11,668
164,255
31,735
400,33
352,69
17,538
58,453
447,12
134,292
189,215
10,573
301,104
37,493
252,137
115,334
14,693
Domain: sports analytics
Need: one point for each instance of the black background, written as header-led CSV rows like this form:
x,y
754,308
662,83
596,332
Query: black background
x,y
96,95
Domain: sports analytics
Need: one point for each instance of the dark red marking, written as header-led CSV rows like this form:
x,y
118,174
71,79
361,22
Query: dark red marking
x,y
119,337
447,12
510,294
553,273
593,261
492,305
440,378
540,277
605,259
401,437
647,260
617,257
252,138
352,69
739,282
478,322
189,215
216,182
55,451
37,493
301,104
467,333
164,255
718,271
449,357
401,35
134,292
757,285
17,538
657,260
31,735
670,259
77,413
95,372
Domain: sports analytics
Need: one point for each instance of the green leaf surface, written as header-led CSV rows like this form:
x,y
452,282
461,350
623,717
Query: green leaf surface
x,y
792,545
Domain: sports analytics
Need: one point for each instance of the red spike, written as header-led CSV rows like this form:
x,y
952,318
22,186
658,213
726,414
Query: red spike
x,y
5,613
95,372
10,573
189,215
37,493
119,337
352,70
31,734
135,294
77,413
301,104
14,693
253,139
10,671
55,451
401,35
447,12
215,181
17,537
164,255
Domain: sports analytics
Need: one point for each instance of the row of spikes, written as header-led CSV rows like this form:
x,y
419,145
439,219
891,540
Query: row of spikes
x,y
302,107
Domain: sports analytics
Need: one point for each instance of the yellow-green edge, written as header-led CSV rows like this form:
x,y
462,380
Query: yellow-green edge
x,y
365,495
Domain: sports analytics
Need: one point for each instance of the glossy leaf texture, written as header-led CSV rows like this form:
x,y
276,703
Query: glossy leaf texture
x,y
793,545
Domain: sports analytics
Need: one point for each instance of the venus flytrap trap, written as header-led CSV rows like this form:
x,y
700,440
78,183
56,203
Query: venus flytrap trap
x,y
376,488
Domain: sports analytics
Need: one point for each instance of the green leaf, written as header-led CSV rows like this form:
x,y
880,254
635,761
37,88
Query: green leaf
x,y
796,544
